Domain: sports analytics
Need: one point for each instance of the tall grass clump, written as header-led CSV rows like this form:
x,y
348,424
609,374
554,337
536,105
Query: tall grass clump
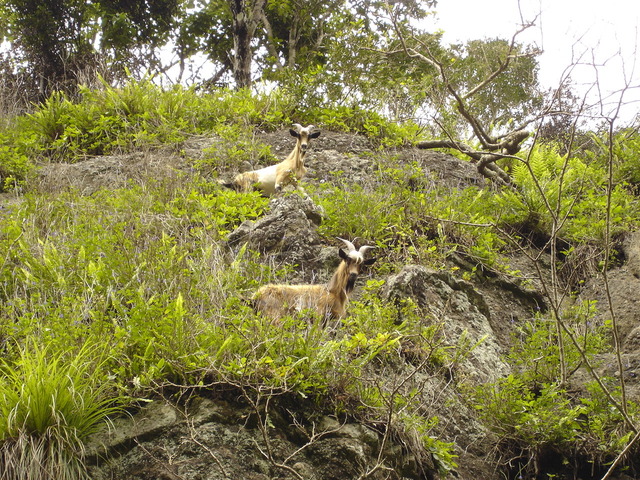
x,y
50,403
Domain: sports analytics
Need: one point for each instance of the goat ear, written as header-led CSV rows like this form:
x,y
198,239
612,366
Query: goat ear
x,y
315,134
343,255
294,133
371,261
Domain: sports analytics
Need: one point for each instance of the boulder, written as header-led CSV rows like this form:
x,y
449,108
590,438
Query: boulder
x,y
462,310
287,232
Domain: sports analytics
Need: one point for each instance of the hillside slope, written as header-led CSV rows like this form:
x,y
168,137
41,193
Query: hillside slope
x,y
224,431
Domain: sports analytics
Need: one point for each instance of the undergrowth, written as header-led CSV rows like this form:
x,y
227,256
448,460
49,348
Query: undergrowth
x,y
540,422
143,275
143,272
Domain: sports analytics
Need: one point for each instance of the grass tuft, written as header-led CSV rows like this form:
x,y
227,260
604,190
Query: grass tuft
x,y
49,404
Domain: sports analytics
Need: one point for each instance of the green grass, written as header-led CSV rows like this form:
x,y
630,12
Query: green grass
x,y
145,269
49,404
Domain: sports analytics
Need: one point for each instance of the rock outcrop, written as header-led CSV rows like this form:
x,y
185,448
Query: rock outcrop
x,y
462,311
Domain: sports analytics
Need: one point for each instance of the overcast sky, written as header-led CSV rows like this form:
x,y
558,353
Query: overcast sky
x,y
567,31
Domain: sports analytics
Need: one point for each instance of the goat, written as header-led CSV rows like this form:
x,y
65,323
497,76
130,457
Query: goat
x,y
273,178
328,300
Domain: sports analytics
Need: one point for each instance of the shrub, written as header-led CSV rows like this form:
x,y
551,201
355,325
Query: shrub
x,y
569,190
15,164
538,421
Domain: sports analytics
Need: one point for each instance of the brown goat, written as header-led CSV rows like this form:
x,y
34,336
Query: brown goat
x,y
273,178
328,300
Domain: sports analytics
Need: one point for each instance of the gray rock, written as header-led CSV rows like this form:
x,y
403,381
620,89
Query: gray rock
x,y
209,441
462,310
288,232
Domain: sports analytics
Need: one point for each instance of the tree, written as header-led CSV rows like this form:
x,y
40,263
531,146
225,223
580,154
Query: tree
x,y
493,89
489,86
512,95
51,37
224,30
337,59
296,32
134,31
265,38
55,40
247,15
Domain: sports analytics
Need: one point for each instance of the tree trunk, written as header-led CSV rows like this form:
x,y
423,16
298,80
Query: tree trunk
x,y
247,14
241,59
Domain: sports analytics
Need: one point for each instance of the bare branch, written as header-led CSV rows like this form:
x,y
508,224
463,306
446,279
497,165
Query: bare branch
x,y
504,65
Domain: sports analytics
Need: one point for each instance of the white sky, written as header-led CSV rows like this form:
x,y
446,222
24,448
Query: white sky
x,y
606,31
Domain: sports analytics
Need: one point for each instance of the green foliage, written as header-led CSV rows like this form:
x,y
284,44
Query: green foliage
x,y
111,119
541,336
143,270
356,212
233,145
624,151
387,212
367,122
551,190
511,96
55,41
49,403
142,115
533,419
245,108
550,420
220,211
570,191
14,162
530,412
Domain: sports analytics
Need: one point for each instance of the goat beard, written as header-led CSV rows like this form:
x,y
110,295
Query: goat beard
x,y
351,283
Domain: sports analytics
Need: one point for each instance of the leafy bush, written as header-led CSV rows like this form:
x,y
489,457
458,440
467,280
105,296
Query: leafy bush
x,y
356,212
112,119
15,164
540,336
535,418
571,191
386,213
369,123
220,211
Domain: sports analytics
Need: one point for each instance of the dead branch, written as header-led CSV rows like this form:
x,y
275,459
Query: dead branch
x,y
508,143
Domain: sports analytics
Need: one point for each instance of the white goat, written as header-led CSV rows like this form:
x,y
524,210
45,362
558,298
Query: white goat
x,y
273,178
328,300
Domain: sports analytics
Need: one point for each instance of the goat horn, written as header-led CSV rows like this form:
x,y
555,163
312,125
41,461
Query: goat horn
x,y
349,245
364,248
311,127
297,126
